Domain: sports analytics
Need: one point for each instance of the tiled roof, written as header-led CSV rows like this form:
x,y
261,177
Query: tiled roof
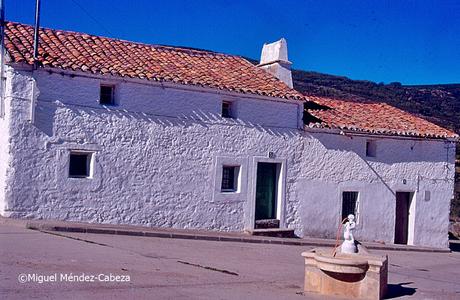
x,y
371,117
100,55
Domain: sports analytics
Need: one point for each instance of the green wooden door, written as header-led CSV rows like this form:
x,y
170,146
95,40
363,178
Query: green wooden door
x,y
266,191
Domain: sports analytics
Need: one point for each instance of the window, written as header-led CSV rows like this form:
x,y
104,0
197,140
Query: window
x,y
230,178
350,205
106,95
80,164
227,109
371,148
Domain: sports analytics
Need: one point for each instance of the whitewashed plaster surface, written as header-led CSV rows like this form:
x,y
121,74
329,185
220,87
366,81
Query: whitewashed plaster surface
x,y
402,165
158,155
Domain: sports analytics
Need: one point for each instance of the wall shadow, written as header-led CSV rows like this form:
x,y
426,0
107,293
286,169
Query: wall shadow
x,y
348,143
399,290
454,245
44,117
47,111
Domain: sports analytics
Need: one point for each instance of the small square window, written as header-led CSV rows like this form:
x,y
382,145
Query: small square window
x,y
371,148
106,96
80,164
230,178
350,204
227,109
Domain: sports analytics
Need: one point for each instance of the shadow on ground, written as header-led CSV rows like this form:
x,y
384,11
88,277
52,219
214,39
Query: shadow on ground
x,y
454,242
454,246
399,290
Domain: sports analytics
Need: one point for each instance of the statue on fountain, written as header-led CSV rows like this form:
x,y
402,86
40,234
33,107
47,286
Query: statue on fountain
x,y
348,245
352,273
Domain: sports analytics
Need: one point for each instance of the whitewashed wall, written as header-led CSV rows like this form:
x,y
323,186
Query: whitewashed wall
x,y
402,165
158,157
156,153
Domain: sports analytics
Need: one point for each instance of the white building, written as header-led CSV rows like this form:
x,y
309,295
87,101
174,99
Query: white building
x,y
112,131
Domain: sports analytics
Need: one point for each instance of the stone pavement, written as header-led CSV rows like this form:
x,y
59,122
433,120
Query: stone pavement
x,y
131,230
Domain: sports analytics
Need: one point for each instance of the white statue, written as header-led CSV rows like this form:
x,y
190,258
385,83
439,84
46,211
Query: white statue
x,y
348,245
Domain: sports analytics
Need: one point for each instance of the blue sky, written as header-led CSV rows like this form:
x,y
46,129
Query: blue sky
x,y
413,42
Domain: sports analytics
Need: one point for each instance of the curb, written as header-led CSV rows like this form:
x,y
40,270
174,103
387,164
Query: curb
x,y
202,237
156,234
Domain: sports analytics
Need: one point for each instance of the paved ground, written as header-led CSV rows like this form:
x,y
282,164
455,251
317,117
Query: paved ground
x,y
186,269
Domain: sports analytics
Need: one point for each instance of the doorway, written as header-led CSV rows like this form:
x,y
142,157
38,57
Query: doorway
x,y
403,218
266,195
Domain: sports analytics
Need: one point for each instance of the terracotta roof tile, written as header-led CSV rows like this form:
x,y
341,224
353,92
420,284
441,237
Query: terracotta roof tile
x,y
100,55
372,117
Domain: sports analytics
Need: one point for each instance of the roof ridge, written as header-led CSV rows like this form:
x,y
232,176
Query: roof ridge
x,y
169,47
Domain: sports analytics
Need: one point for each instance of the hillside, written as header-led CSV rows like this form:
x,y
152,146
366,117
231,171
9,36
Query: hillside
x,y
438,103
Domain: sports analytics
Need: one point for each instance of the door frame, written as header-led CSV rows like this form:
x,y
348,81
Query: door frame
x,y
410,218
249,223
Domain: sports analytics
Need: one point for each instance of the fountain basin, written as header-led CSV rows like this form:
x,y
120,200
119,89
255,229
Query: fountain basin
x,y
341,263
360,275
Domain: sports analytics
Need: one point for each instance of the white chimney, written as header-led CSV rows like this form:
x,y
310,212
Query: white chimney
x,y
274,59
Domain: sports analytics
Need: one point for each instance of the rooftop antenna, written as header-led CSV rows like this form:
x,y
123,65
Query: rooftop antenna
x,y
36,29
2,17
2,56
2,26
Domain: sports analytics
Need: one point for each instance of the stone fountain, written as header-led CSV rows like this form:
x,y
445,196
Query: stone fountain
x,y
349,270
